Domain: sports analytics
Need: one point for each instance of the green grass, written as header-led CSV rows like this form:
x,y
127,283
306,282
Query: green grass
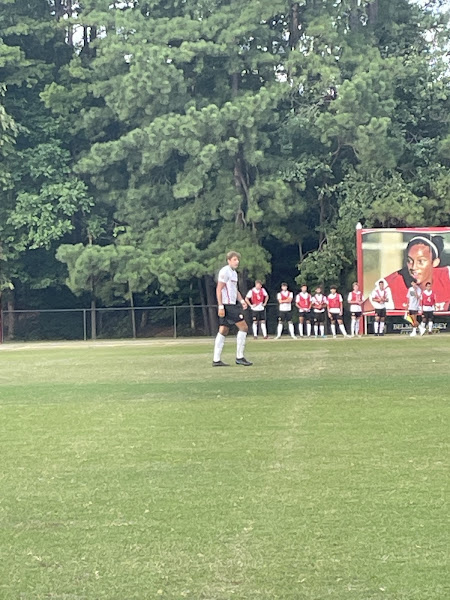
x,y
139,472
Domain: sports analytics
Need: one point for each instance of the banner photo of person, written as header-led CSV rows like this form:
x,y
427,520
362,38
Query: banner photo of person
x,y
397,257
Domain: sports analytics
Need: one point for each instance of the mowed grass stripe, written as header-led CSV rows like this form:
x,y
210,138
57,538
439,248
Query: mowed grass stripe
x,y
256,487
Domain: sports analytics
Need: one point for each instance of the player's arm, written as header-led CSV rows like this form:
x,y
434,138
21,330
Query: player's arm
x,y
247,299
219,288
341,308
242,300
266,299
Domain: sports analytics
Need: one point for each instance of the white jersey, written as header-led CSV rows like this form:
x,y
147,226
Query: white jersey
x,y
229,277
380,298
286,304
414,298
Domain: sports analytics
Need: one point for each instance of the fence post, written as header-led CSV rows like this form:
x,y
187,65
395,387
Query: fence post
x,y
1,326
175,322
84,324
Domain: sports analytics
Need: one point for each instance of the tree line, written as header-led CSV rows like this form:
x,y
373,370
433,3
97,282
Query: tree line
x,y
140,140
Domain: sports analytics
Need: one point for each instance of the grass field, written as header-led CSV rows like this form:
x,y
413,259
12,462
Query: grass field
x,y
138,471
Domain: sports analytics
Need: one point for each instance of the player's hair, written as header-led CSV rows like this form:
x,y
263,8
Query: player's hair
x,y
284,283
304,285
435,243
258,281
355,283
333,287
232,254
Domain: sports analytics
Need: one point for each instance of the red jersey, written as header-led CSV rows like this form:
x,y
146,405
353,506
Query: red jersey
x,y
258,296
441,288
303,301
319,302
355,297
428,298
334,302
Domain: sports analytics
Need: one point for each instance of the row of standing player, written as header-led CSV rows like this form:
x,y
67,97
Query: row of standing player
x,y
231,307
312,309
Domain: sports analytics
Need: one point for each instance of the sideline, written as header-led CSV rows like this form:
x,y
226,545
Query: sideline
x,y
158,342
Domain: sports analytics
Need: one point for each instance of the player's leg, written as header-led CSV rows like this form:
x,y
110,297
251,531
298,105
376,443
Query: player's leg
x,y
218,346
342,328
322,324
291,330
301,321
333,325
316,326
279,327
376,325
430,319
240,344
255,326
264,329
357,323
308,327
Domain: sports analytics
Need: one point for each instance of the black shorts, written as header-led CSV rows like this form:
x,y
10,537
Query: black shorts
x,y
285,316
413,312
356,313
319,317
428,315
258,315
335,317
305,315
233,314
380,312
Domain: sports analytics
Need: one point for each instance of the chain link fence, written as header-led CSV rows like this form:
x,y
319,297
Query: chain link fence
x,y
144,322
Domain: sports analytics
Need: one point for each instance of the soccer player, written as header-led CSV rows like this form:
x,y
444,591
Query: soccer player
x,y
319,304
379,298
355,299
335,304
257,298
414,299
230,312
285,298
428,307
303,303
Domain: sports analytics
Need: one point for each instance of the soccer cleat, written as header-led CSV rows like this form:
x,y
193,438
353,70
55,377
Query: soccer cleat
x,y
255,337
266,337
219,363
244,362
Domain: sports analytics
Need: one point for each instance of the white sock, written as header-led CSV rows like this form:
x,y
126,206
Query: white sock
x,y
264,329
322,330
333,328
291,330
316,330
308,329
353,327
255,328
381,326
430,326
218,346
342,329
240,344
376,326
300,329
357,326
279,329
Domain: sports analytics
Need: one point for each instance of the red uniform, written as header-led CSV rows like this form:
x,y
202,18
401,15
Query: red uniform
x,y
334,302
303,301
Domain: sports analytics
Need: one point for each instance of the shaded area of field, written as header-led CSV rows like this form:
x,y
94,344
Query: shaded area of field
x,y
138,471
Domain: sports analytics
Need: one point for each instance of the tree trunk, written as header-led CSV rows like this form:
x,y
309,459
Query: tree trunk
x,y
133,314
206,326
93,319
11,320
294,32
191,309
212,303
